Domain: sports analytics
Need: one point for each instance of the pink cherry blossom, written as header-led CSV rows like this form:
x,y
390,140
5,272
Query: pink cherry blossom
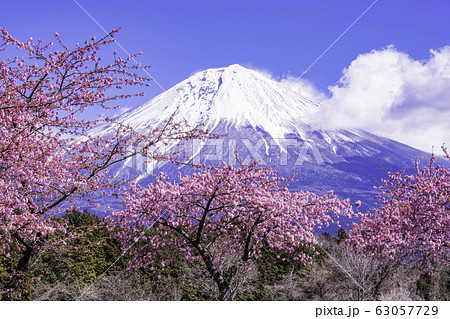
x,y
46,156
220,213
412,224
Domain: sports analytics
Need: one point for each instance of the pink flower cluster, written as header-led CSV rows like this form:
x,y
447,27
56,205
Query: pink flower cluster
x,y
46,156
220,212
412,225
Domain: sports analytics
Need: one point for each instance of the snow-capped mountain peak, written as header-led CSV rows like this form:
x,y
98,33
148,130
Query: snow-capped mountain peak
x,y
236,95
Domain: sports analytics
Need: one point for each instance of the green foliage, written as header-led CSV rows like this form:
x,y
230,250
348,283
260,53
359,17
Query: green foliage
x,y
81,261
434,287
84,257
341,235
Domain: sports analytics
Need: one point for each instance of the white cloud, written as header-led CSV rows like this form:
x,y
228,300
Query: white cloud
x,y
292,83
388,93
303,87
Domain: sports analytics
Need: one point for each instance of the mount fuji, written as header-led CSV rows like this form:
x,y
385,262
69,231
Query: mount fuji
x,y
265,120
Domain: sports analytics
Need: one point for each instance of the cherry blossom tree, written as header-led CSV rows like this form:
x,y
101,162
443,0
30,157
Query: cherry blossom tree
x,y
218,215
412,224
46,155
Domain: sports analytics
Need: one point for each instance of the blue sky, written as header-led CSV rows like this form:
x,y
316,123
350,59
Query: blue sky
x,y
284,37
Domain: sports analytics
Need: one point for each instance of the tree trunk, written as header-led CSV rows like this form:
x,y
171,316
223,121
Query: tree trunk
x,y
223,292
30,255
224,285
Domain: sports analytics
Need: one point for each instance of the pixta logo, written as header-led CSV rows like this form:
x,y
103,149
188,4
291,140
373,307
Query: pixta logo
x,y
268,152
